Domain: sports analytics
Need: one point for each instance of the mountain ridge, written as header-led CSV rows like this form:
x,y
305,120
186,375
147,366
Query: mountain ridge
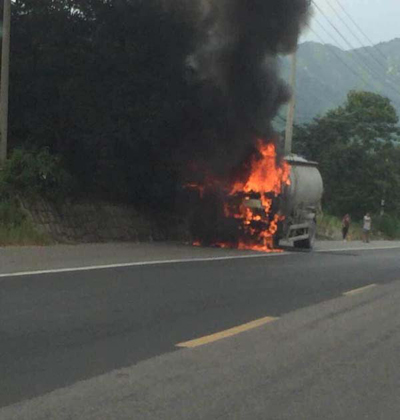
x,y
326,73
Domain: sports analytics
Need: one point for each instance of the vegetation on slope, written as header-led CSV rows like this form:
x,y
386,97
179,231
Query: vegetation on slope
x,y
100,89
358,150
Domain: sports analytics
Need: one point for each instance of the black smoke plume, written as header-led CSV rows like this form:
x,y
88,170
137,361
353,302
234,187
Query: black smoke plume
x,y
235,67
236,90
147,94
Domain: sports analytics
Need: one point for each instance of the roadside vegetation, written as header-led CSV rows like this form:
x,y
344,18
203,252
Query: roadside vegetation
x,y
16,228
330,227
100,118
384,227
28,175
358,150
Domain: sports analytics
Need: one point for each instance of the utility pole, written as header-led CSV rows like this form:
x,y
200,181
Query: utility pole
x,y
291,106
382,206
5,73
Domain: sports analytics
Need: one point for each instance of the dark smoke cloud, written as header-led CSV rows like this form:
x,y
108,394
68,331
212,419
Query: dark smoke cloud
x,y
235,63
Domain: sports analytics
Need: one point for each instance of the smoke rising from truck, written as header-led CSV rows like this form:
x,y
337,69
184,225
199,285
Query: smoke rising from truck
x,y
235,66
232,93
235,63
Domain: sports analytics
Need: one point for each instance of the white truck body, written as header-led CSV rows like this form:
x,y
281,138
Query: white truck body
x,y
301,202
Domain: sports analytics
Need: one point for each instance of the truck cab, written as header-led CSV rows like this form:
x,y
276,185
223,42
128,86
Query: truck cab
x,y
298,204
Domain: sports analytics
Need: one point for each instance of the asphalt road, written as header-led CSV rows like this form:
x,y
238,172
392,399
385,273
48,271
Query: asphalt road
x,y
326,354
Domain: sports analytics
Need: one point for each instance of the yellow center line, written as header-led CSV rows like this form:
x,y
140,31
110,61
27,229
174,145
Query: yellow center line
x,y
227,333
360,290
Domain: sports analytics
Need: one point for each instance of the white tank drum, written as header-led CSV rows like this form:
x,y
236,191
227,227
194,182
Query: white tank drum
x,y
306,187
301,201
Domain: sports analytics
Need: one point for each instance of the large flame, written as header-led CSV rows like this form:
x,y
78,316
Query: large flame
x,y
250,200
266,179
266,176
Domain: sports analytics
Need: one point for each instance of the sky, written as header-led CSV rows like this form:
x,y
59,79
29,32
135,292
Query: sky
x,y
378,19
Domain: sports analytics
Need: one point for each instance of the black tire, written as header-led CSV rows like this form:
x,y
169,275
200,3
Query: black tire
x,y
303,244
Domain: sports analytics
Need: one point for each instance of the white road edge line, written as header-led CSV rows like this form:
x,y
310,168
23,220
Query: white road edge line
x,y
177,261
139,264
376,248
360,290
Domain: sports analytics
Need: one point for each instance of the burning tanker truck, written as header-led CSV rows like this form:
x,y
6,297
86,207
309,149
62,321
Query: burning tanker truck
x,y
242,191
279,199
300,203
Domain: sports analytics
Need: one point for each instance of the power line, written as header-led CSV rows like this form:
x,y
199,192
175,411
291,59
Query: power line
x,y
281,118
339,58
354,72
355,35
333,26
384,79
327,32
344,23
337,55
355,51
361,31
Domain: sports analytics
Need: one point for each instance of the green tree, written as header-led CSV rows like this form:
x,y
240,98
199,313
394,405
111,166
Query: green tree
x,y
103,83
358,151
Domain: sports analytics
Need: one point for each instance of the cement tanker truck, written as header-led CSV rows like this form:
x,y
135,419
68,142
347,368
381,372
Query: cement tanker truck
x,y
297,205
243,220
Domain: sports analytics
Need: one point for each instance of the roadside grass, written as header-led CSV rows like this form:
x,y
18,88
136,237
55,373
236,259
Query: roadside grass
x,y
389,225
330,227
24,234
28,173
16,227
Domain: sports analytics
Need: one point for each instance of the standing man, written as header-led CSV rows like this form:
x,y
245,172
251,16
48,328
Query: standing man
x,y
366,227
345,226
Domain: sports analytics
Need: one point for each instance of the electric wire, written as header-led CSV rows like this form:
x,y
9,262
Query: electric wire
x,y
375,47
330,35
355,51
351,69
355,72
339,57
366,48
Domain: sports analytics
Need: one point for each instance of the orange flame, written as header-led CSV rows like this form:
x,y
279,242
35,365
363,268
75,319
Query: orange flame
x,y
265,175
266,180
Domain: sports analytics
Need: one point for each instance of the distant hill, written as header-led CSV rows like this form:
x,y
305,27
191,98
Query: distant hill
x,y
326,73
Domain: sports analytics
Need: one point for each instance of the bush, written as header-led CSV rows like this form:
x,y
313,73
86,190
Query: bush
x,y
330,227
23,234
34,173
16,228
11,214
383,227
389,225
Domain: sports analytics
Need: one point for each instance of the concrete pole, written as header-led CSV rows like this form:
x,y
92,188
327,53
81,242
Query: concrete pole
x,y
5,72
291,107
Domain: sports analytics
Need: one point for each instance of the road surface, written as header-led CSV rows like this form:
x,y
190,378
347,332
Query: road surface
x,y
295,335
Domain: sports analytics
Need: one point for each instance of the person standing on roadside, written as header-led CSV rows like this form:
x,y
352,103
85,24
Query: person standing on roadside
x,y
366,227
345,226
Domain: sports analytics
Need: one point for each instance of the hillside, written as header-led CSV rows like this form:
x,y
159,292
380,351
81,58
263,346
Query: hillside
x,y
326,73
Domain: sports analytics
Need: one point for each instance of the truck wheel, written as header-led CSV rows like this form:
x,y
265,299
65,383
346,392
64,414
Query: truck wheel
x,y
303,244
